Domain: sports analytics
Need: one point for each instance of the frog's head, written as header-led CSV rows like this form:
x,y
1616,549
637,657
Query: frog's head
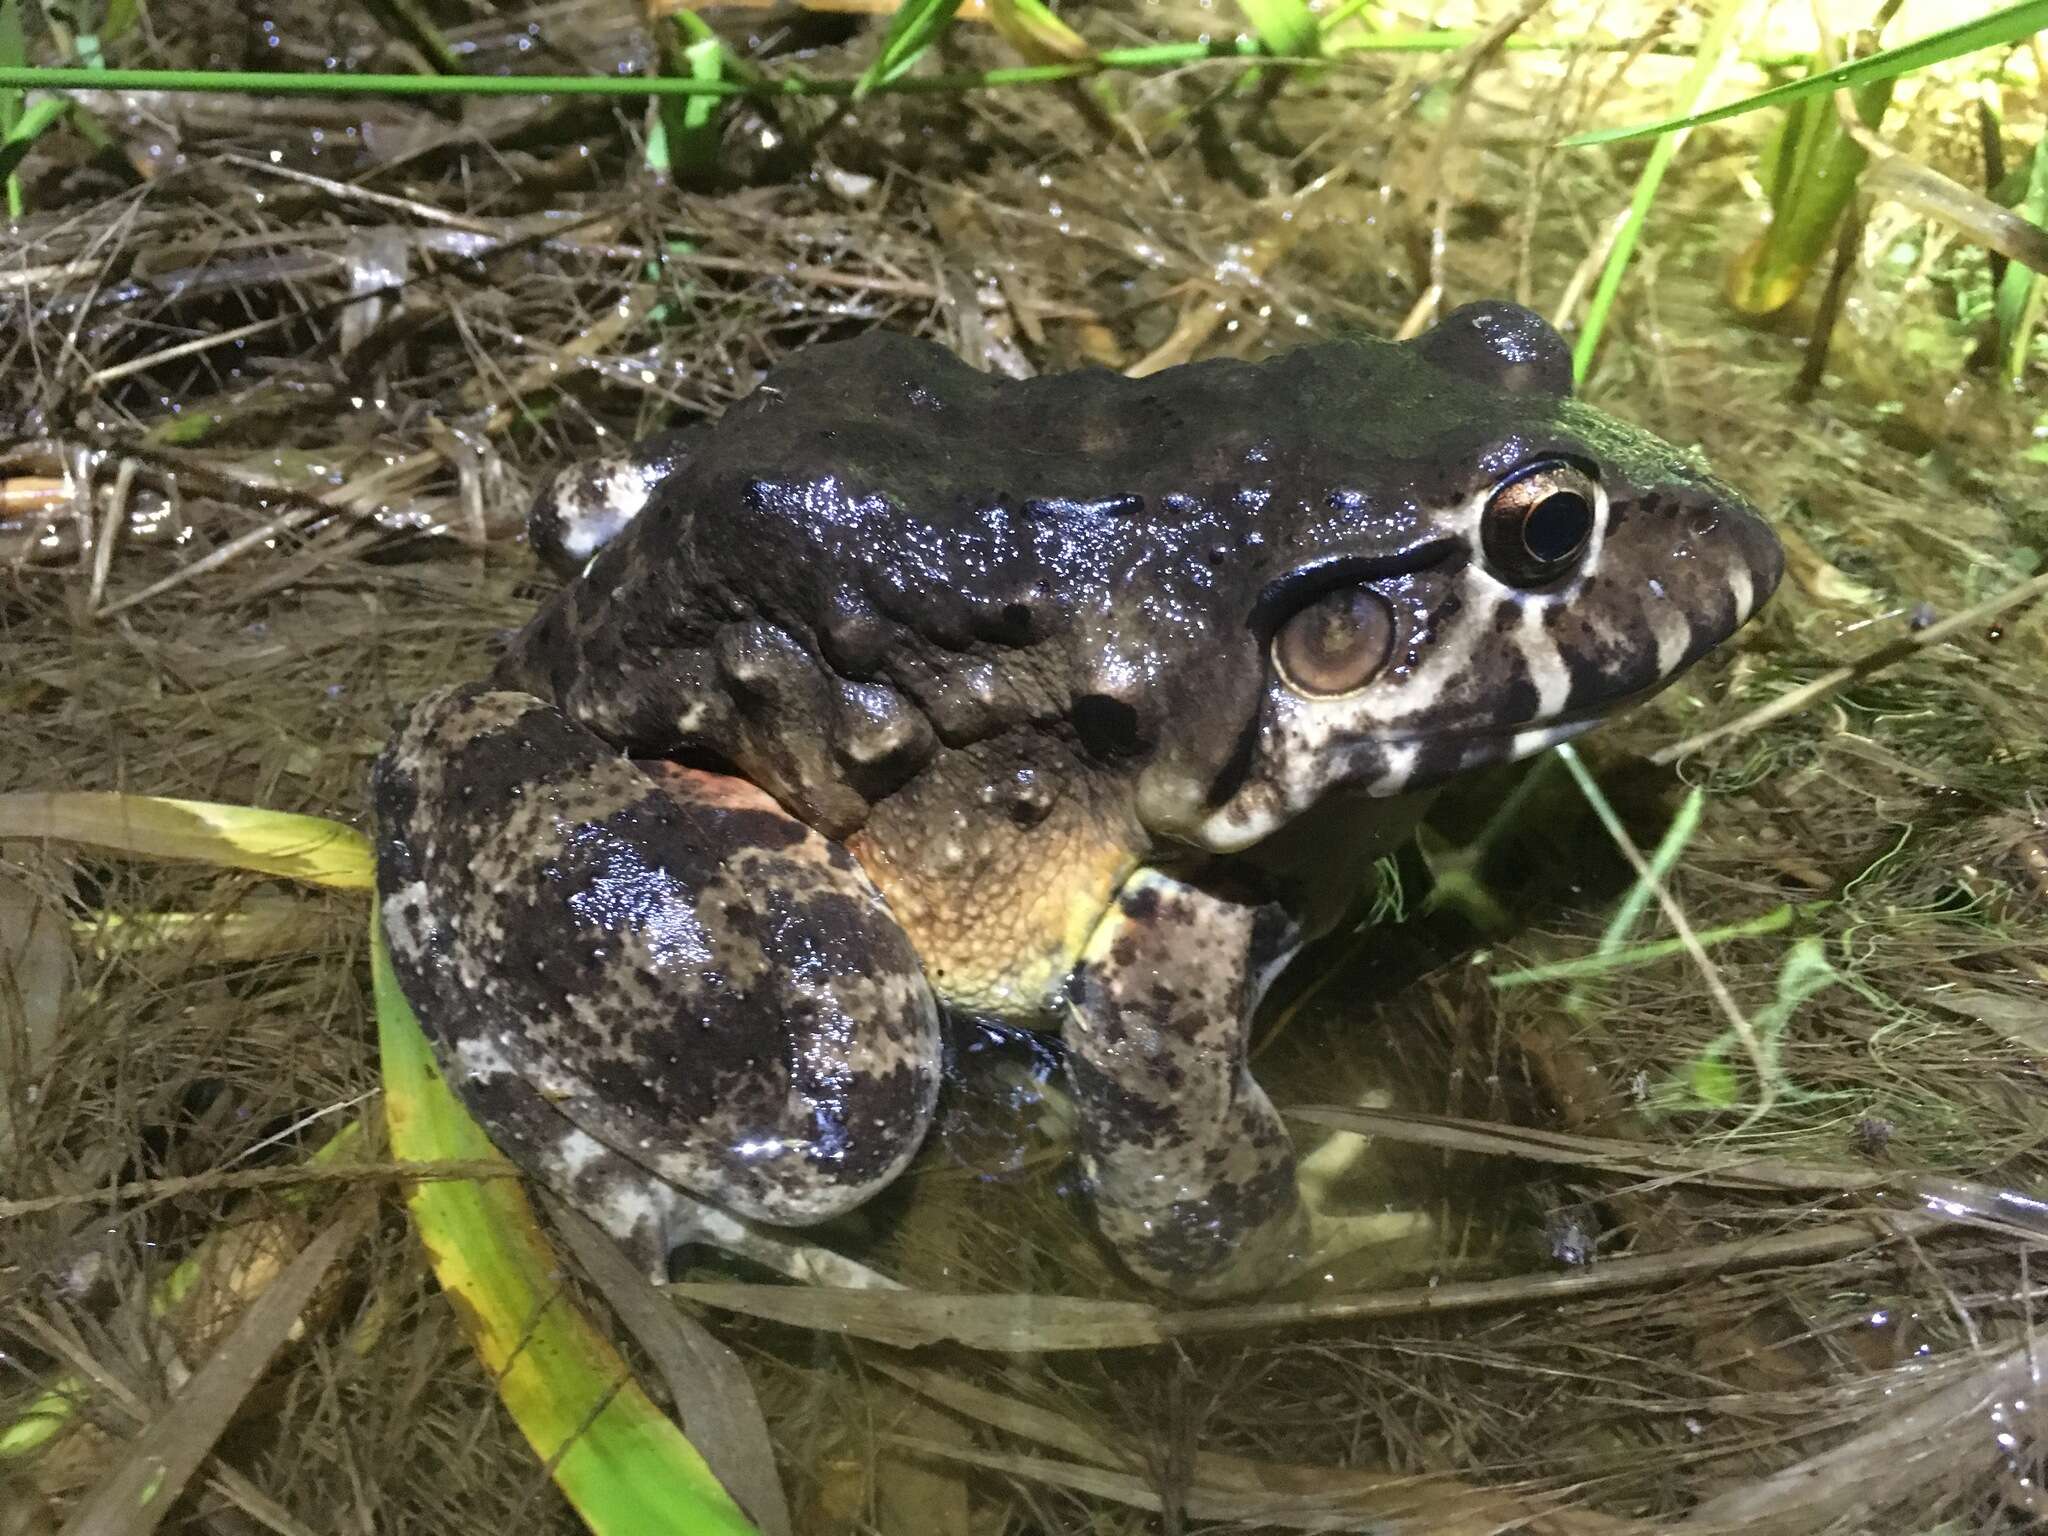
x,y
1479,568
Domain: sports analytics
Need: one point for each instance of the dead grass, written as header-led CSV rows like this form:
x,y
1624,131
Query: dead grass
x,y
437,309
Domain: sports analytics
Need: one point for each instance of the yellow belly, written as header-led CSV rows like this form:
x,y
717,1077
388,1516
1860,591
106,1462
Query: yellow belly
x,y
999,920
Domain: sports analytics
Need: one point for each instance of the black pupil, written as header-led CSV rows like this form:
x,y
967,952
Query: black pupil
x,y
1556,527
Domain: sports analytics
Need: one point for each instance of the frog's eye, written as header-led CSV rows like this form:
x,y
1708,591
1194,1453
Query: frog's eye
x,y
1537,524
1337,644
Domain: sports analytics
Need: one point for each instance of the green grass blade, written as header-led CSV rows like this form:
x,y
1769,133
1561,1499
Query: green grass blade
x,y
1157,56
1669,849
685,140
1698,80
1244,52
13,55
1285,28
626,1468
618,1459
914,28
2013,24
1580,967
2019,299
30,126
1815,170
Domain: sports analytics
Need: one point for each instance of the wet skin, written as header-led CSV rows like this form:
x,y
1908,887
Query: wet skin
x,y
1081,701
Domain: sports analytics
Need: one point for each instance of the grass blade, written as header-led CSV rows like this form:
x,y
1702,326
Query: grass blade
x,y
914,28
13,55
1037,1323
1605,961
29,126
685,139
194,1282
309,848
1286,28
1037,34
708,1386
408,22
625,1467
2011,25
1713,45
2018,302
159,1462
617,1458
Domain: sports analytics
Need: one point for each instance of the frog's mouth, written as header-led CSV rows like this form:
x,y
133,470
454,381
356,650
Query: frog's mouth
x,y
1571,722
1424,760
1382,768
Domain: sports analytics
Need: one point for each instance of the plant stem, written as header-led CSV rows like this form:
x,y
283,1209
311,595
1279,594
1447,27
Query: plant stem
x,y
1243,52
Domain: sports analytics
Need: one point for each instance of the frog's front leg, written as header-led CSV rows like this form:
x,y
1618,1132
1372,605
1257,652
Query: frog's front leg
x,y
1191,1170
647,979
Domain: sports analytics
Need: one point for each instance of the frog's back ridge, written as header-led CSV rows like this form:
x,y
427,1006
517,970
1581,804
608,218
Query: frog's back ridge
x,y
881,555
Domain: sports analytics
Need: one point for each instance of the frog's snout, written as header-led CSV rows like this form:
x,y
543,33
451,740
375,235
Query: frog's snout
x,y
1728,563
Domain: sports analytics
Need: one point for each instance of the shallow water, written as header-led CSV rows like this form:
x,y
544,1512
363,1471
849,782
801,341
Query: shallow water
x,y
1869,873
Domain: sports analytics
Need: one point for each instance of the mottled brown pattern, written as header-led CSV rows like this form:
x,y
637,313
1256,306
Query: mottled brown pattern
x,y
1190,1169
671,963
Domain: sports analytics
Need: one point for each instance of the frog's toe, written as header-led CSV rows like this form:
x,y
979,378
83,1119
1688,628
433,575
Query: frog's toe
x,y
649,1218
1332,1239
1332,1234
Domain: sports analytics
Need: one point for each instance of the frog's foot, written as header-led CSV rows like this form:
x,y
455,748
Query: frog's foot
x,y
649,1219
587,505
647,981
1334,1235
1191,1170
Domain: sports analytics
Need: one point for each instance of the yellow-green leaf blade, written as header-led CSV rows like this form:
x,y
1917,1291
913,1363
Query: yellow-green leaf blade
x,y
619,1460
1036,33
309,848
1286,28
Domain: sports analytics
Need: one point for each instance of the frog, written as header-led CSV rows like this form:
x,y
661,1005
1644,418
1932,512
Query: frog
x,y
902,695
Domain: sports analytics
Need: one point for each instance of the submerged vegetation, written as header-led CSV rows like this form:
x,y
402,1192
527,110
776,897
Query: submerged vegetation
x,y
1699,1076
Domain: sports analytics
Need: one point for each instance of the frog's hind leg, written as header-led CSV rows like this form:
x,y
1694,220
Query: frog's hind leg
x,y
1191,1170
646,980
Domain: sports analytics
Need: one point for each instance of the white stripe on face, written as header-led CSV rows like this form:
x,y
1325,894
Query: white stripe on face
x,y
1742,587
1674,636
1547,670
1401,757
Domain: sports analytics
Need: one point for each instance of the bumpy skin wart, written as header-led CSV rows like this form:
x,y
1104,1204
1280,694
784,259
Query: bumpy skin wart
x,y
967,687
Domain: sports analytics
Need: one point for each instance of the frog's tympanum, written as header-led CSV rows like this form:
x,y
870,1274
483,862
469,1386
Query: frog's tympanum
x,y
1084,701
